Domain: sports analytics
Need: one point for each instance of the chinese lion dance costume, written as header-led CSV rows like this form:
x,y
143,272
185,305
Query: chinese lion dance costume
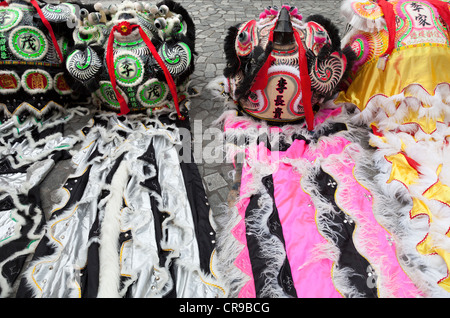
x,y
403,53
338,195
132,219
35,106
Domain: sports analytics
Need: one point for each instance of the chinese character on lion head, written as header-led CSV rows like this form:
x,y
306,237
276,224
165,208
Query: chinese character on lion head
x,y
281,66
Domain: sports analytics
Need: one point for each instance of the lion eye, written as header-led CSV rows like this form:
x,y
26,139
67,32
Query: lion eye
x,y
160,23
163,10
243,37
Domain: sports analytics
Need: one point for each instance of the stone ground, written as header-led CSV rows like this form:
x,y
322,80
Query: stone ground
x,y
212,19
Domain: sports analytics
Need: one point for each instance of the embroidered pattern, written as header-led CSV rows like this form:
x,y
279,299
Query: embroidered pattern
x,y
9,82
108,96
153,93
60,85
58,13
326,74
85,34
247,38
36,81
28,43
367,10
421,24
177,58
9,18
83,65
129,69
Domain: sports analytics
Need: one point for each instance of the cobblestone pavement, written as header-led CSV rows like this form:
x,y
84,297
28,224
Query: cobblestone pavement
x,y
212,19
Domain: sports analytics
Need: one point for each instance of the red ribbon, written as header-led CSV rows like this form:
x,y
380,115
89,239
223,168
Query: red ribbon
x,y
389,16
305,82
49,28
3,4
443,10
110,63
262,77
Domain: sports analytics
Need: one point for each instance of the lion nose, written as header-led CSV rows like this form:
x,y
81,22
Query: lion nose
x,y
283,34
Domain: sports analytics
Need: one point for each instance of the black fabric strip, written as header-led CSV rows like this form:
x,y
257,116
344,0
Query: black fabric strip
x,y
258,261
285,277
34,218
114,168
90,274
349,256
200,213
76,187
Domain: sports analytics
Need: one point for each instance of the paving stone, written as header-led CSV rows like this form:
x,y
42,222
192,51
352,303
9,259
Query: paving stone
x,y
215,181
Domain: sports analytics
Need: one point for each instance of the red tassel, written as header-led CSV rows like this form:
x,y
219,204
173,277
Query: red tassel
x,y
389,16
170,81
49,28
262,78
112,74
305,81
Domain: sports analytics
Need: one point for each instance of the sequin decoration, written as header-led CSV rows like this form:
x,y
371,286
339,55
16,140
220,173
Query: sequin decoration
x,y
83,65
60,85
107,95
177,58
247,38
368,46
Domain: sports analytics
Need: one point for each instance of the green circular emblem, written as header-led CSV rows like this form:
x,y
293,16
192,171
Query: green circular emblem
x,y
9,18
128,69
153,93
28,43
108,96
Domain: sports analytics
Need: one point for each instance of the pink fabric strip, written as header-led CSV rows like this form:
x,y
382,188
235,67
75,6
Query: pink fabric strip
x,y
243,260
307,278
312,277
297,215
371,238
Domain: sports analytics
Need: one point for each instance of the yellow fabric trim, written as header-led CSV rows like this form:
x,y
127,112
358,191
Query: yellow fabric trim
x,y
401,170
420,208
424,64
426,247
439,192
428,125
